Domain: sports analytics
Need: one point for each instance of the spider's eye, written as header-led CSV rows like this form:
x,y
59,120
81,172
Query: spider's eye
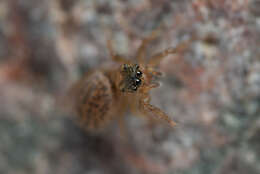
x,y
139,74
138,82
134,88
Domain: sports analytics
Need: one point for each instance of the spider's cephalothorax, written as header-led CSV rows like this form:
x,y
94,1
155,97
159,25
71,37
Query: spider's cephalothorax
x,y
131,78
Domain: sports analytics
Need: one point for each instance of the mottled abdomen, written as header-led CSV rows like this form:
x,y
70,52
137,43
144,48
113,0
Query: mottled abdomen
x,y
94,102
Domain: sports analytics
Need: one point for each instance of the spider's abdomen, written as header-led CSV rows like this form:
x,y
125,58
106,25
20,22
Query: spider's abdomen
x,y
94,100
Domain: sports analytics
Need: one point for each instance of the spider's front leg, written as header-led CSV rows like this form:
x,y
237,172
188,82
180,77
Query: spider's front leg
x,y
113,55
151,111
140,55
156,58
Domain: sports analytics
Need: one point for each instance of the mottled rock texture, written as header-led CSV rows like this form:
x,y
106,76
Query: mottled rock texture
x,y
211,89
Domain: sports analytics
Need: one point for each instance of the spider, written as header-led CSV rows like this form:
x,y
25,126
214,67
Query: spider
x,y
105,94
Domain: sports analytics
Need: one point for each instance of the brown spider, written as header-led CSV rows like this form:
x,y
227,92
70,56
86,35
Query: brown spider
x,y
107,93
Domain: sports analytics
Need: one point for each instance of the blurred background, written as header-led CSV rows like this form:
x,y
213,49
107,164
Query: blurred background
x,y
212,89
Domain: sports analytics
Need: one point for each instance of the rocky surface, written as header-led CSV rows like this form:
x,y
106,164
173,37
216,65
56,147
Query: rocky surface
x,y
211,89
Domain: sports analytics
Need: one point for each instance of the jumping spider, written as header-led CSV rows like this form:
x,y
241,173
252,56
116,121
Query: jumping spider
x,y
107,93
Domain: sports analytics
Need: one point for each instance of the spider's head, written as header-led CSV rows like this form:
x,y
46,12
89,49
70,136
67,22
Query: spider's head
x,y
131,80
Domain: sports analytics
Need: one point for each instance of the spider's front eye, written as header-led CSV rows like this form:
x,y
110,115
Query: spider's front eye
x,y
138,82
139,74
134,88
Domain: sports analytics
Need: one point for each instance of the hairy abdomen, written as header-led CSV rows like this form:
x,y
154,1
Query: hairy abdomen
x,y
94,100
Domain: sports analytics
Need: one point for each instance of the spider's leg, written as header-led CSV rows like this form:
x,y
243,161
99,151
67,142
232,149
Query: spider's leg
x,y
146,88
117,58
113,55
154,112
156,58
140,55
151,70
150,111
154,85
157,73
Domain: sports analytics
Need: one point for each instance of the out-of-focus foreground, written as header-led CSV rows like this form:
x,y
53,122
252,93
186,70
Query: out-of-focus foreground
x,y
212,89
